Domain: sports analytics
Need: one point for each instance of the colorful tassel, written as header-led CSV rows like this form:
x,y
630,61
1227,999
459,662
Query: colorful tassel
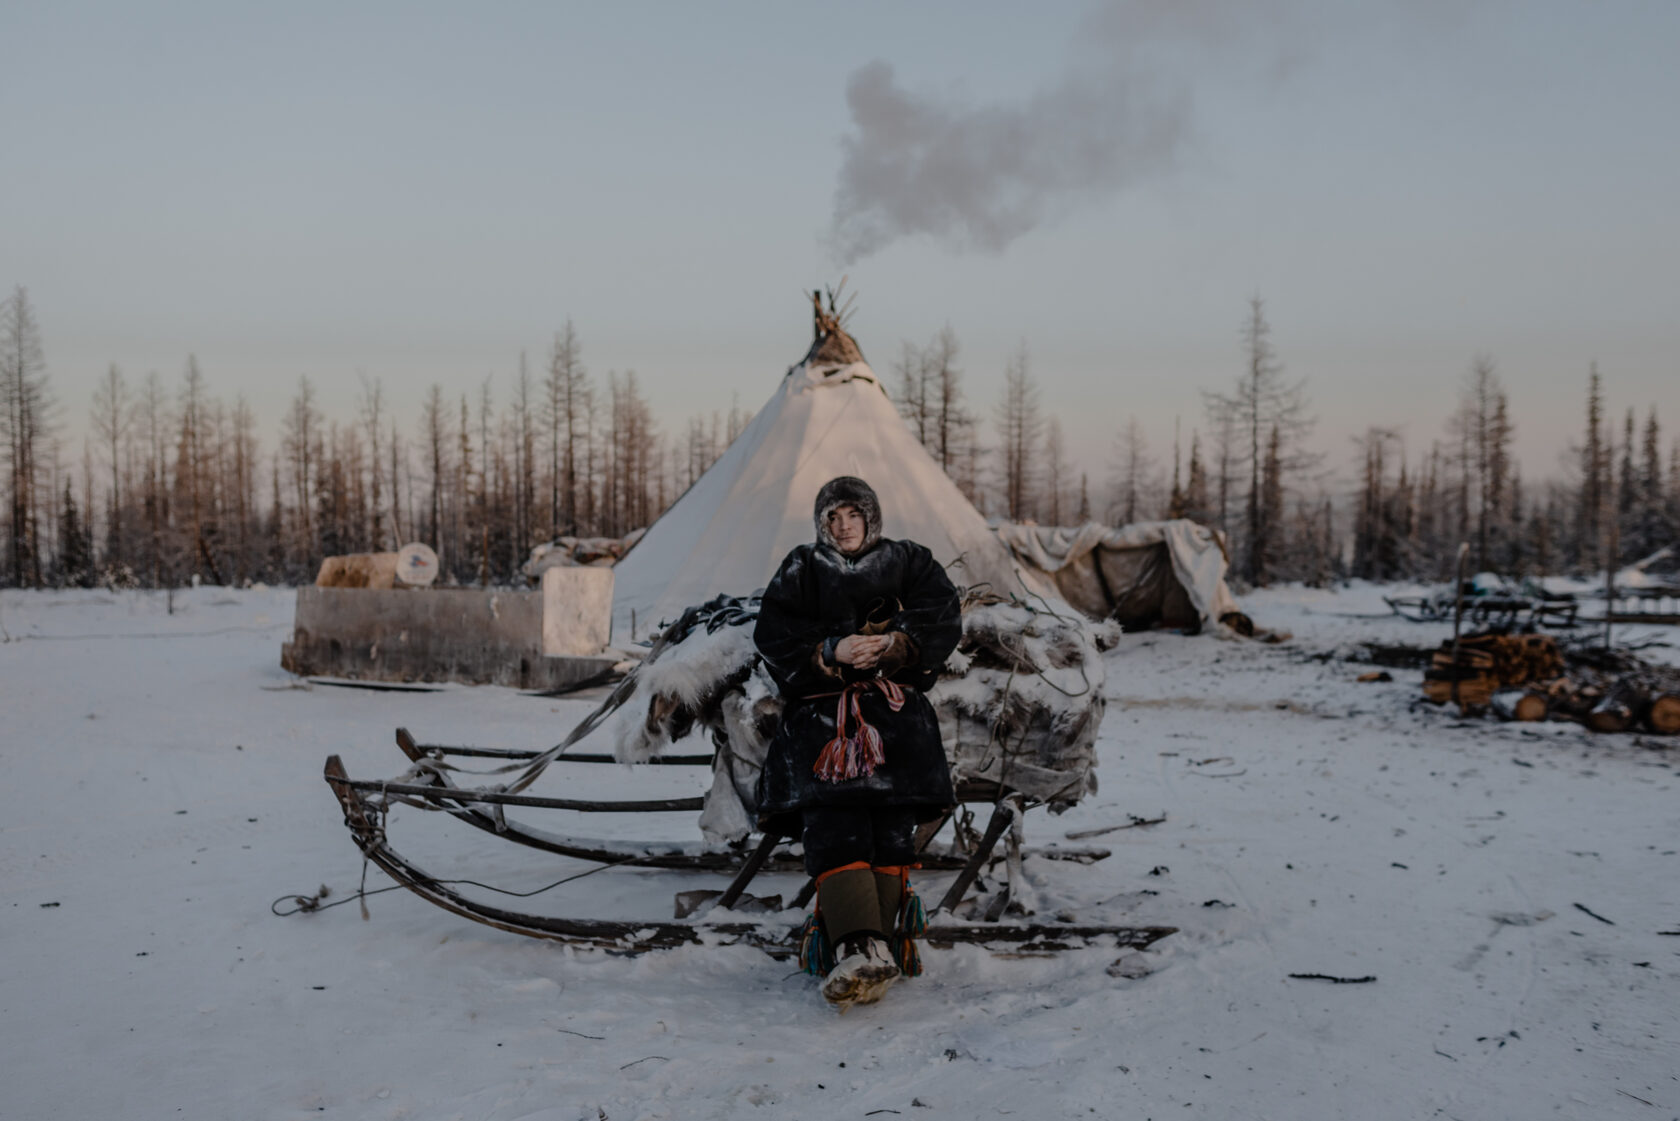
x,y
816,956
856,753
909,957
909,924
915,916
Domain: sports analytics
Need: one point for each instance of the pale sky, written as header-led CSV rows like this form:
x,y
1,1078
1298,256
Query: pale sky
x,y
418,192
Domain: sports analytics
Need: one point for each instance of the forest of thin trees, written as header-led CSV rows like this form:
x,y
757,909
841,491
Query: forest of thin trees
x,y
173,486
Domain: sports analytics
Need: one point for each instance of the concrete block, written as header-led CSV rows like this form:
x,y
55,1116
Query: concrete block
x,y
436,634
481,636
576,610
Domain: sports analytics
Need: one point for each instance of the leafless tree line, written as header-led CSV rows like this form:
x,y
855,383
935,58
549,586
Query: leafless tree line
x,y
1251,473
1614,502
174,484
176,487
25,428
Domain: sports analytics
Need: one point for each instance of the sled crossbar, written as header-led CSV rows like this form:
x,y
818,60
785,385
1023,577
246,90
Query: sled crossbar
x,y
419,790
517,754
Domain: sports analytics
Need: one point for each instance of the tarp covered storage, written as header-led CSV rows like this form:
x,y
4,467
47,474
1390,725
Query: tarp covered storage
x,y
1169,573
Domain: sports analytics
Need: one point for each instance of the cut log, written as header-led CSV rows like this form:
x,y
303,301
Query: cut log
x,y
1663,717
1532,706
1525,707
1616,711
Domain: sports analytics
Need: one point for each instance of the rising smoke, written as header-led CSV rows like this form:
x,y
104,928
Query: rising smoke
x,y
976,177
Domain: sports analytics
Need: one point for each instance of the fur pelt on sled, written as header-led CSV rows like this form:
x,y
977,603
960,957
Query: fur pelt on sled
x,y
1022,699
1019,706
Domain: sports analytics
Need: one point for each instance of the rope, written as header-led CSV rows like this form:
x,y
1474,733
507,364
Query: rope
x,y
1021,656
1046,610
309,904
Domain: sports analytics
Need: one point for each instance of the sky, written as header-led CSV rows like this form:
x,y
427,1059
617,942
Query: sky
x,y
419,193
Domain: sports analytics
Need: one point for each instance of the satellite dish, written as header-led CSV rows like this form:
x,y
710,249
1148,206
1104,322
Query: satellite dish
x,y
417,565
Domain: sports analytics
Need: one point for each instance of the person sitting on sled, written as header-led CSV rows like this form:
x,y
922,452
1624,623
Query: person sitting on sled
x,y
854,628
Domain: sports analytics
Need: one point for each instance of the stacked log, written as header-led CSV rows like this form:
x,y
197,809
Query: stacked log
x,y
1468,683
1526,678
1648,700
1488,663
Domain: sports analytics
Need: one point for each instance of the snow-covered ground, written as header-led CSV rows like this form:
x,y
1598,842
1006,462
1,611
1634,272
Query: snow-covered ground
x,y
162,786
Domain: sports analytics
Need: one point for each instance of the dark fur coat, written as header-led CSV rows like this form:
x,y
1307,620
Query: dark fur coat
x,y
818,595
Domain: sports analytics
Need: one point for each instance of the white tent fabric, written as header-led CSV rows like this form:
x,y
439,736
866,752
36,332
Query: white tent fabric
x,y
1095,567
732,528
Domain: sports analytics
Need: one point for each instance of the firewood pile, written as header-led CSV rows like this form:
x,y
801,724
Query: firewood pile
x,y
1530,677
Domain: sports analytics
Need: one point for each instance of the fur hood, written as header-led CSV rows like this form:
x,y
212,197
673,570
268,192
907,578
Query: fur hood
x,y
848,490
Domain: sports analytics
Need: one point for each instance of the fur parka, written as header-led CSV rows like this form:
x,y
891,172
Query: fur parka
x,y
818,596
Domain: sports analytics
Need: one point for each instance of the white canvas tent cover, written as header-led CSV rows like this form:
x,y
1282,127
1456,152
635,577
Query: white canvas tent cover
x,y
1168,573
1660,568
830,416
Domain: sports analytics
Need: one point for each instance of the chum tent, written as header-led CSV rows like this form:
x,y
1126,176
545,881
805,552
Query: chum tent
x,y
829,416
1168,573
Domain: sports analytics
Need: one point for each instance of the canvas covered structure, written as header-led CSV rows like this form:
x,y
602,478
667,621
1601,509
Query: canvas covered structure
x,y
829,416
1167,573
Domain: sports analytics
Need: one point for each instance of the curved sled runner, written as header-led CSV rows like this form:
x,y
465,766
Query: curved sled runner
x,y
363,820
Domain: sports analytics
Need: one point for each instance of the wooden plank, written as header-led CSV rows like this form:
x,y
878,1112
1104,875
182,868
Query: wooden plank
x,y
517,754
1002,814
652,805
748,871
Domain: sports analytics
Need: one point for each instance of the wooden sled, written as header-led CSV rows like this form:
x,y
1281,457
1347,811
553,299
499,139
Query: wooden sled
x,y
364,820
1501,612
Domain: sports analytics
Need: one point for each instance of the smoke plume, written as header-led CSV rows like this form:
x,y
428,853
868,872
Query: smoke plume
x,y
976,177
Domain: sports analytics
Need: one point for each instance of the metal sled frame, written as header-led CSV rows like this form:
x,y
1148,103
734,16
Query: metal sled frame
x,y
364,821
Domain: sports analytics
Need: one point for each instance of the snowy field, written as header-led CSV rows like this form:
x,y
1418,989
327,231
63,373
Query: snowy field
x,y
163,786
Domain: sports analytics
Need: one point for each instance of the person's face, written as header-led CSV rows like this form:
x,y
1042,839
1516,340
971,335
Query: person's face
x,y
846,526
